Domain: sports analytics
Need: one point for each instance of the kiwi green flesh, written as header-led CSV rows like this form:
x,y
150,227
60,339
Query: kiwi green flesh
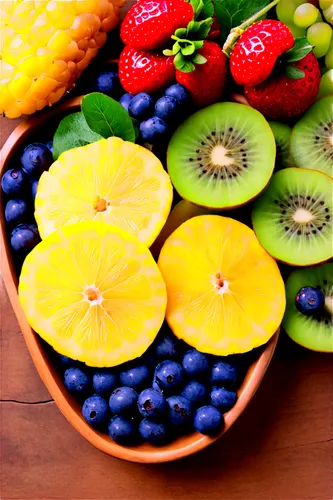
x,y
282,134
311,142
222,156
314,332
293,217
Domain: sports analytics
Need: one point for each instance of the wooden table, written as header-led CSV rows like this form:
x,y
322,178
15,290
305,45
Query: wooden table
x,y
281,447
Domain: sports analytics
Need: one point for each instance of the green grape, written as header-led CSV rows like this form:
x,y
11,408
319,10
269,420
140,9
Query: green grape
x,y
319,18
326,84
305,15
296,31
285,11
319,35
329,57
328,14
325,4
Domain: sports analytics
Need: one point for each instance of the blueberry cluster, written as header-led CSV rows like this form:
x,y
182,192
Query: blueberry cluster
x,y
20,187
171,390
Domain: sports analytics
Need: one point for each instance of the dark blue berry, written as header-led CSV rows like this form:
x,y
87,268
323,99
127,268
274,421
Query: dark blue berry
x,y
125,100
224,373
156,386
14,181
152,403
208,420
166,347
123,401
179,92
180,410
196,364
24,238
49,145
77,381
123,431
107,82
167,108
194,391
136,376
67,362
141,106
309,300
169,375
95,410
105,381
153,129
16,211
34,187
222,398
153,432
36,159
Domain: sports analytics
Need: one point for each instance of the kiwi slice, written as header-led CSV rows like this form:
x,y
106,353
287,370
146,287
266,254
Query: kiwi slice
x,y
293,217
311,142
281,133
222,156
314,332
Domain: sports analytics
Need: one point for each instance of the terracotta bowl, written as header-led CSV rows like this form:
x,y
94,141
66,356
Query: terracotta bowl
x,y
31,129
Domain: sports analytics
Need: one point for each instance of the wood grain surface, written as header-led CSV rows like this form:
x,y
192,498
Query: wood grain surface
x,y
281,447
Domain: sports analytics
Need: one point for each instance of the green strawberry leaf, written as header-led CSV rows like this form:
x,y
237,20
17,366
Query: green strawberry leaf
x,y
300,49
72,132
187,67
232,13
181,33
198,59
293,72
179,61
193,26
197,7
189,49
208,9
107,117
168,52
204,28
198,44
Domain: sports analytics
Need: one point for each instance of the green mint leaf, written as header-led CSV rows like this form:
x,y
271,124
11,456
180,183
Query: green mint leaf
x,y
300,49
179,61
198,59
72,132
293,72
208,9
107,117
188,50
181,33
198,44
187,67
231,13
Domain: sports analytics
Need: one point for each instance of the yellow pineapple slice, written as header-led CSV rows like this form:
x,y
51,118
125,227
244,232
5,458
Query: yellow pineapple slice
x,y
225,293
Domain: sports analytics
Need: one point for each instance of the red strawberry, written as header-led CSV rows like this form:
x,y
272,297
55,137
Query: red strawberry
x,y
255,54
282,97
141,71
206,83
215,31
149,24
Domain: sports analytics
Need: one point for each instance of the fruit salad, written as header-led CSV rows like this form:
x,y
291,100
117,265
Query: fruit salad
x,y
163,233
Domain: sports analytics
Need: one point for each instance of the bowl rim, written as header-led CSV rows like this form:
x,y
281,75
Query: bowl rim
x,y
61,397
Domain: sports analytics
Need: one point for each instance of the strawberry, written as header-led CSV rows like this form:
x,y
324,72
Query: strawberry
x,y
281,96
206,83
141,71
215,31
255,54
149,24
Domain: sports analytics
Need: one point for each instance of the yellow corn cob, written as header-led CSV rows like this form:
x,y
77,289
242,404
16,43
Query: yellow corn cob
x,y
44,47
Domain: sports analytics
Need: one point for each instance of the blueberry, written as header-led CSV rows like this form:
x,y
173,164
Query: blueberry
x,y
156,386
104,381
179,92
136,376
153,432
77,381
222,398
180,410
49,145
24,238
95,410
13,181
152,403
208,420
224,373
36,159
16,211
153,129
169,375
166,347
141,106
309,300
123,431
194,391
196,363
125,101
67,362
107,82
167,108
34,187
123,401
